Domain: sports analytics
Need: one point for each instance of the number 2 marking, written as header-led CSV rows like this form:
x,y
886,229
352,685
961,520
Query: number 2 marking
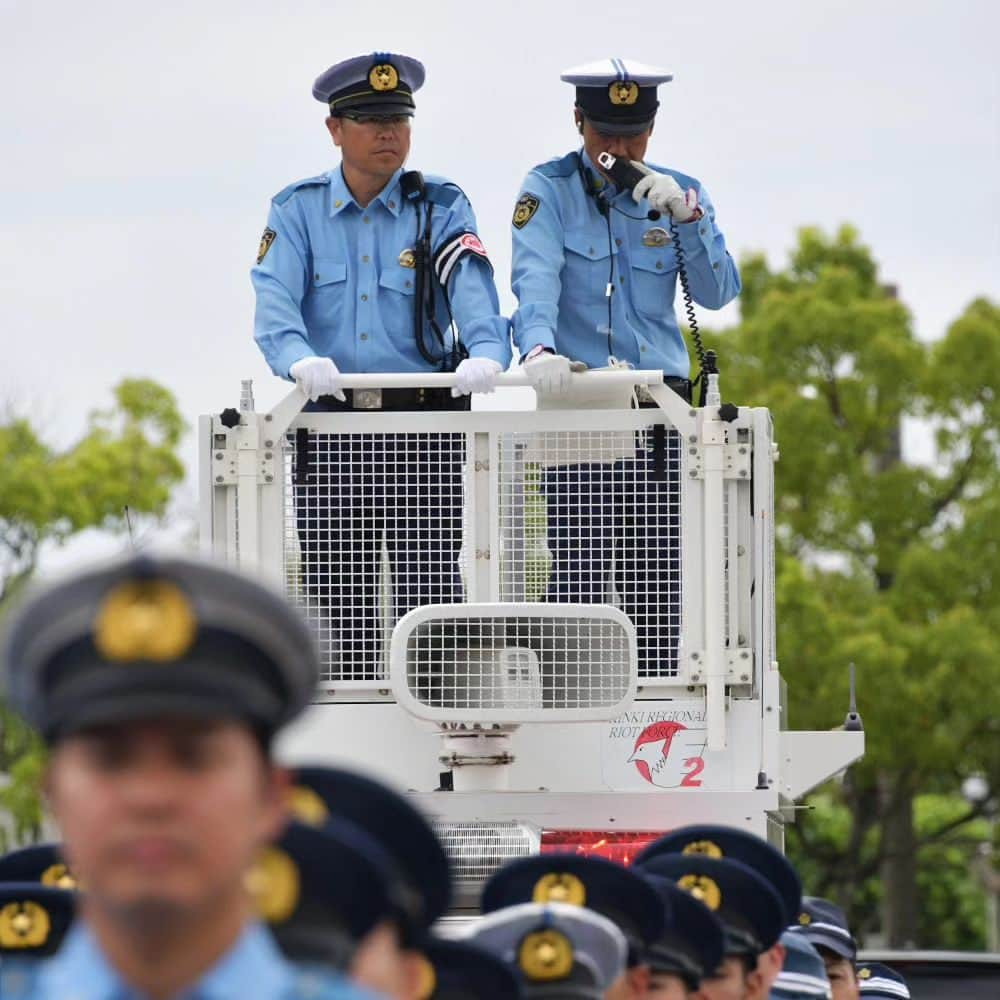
x,y
691,779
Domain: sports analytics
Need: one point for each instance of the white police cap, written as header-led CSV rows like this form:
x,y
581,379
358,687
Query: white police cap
x,y
617,96
606,71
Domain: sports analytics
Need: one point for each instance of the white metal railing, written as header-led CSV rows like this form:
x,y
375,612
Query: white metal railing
x,y
664,513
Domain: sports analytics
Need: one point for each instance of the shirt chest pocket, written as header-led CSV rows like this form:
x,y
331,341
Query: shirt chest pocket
x,y
325,301
398,279
587,265
653,270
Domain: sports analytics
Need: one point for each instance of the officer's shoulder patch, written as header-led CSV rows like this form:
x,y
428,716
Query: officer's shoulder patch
x,y
524,210
285,193
562,166
265,243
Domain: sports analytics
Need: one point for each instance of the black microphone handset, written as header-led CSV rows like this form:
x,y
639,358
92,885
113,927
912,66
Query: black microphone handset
x,y
626,176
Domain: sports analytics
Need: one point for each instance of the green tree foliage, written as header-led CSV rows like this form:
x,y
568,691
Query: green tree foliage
x,y
126,458
882,562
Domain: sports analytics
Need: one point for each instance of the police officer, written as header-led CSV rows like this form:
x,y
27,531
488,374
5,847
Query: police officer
x,y
825,926
158,685
390,958
750,911
615,892
367,268
878,980
688,949
716,841
561,951
803,975
595,278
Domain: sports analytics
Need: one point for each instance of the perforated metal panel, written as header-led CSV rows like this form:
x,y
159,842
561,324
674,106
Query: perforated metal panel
x,y
477,850
506,665
594,517
373,527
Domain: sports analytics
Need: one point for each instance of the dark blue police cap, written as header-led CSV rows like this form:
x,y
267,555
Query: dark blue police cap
x,y
878,980
692,942
459,970
150,637
739,845
622,896
750,910
34,918
803,975
420,871
40,863
321,889
380,84
825,924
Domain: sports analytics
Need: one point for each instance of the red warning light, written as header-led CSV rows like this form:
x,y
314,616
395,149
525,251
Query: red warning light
x,y
617,845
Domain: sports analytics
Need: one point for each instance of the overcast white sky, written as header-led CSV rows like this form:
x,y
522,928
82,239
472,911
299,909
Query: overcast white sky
x,y
142,143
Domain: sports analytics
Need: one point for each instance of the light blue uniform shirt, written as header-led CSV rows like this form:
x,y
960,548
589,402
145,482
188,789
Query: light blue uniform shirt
x,y
562,266
331,282
253,969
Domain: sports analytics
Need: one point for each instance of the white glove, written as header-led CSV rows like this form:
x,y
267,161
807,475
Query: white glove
x,y
476,375
549,373
318,377
664,194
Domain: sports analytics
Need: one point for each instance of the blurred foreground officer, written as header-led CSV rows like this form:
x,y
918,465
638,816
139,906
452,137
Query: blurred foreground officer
x,y
803,976
825,926
617,893
715,841
878,980
595,277
363,269
690,947
562,952
459,970
746,905
158,685
389,958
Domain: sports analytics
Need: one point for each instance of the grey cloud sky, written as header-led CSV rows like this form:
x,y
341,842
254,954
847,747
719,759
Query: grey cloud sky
x,y
142,144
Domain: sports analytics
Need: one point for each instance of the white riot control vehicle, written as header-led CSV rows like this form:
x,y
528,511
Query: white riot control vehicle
x,y
516,719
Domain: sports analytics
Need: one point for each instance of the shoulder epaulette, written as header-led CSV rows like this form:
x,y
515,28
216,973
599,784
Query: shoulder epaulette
x,y
564,166
285,193
443,193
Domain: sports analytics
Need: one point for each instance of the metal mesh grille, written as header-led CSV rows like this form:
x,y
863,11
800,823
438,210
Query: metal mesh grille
x,y
594,517
477,850
518,663
373,528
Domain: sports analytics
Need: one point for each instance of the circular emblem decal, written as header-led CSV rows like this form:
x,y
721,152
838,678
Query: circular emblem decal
x,y
623,92
383,77
560,887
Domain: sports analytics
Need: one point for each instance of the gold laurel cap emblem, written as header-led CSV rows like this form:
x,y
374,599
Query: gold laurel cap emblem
x,y
145,620
273,884
59,876
545,955
623,92
706,848
306,806
383,77
24,925
560,887
406,258
704,889
426,979
805,920
865,973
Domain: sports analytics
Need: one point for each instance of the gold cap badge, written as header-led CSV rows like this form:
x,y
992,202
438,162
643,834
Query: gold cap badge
x,y
805,920
545,955
623,92
426,979
706,848
24,925
306,806
704,889
273,882
865,973
145,620
58,875
560,887
383,77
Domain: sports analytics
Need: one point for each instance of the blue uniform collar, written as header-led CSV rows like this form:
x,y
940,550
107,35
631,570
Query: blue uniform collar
x,y
341,197
252,967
